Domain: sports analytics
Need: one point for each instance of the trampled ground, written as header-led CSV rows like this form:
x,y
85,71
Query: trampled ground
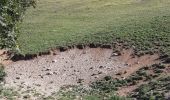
x,y
142,23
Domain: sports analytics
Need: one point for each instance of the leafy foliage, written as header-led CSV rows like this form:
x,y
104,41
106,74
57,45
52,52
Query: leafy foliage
x,y
11,13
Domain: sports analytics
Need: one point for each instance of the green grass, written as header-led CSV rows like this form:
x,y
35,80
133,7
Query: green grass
x,y
142,23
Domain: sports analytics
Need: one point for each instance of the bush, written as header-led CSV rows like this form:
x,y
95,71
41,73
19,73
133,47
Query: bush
x,y
11,13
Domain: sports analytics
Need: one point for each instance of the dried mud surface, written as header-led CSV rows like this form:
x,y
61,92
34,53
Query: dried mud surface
x,y
47,74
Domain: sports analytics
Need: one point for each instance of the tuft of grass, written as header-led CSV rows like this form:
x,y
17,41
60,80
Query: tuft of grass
x,y
143,24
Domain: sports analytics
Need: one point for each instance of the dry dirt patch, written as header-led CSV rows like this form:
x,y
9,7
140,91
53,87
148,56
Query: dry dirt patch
x,y
47,74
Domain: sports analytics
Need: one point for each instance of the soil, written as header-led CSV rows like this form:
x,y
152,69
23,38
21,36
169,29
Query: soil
x,y
47,74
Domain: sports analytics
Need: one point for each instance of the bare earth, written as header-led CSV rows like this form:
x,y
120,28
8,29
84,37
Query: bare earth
x,y
46,74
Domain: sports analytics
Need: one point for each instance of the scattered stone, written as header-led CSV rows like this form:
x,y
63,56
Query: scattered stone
x,y
101,67
54,61
115,54
51,82
28,87
99,73
80,81
54,53
126,64
38,85
137,62
48,73
55,73
17,78
40,76
91,67
26,96
47,69
22,82
71,66
119,73
125,72
93,74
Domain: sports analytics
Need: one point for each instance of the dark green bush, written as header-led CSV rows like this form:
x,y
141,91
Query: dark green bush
x,y
11,14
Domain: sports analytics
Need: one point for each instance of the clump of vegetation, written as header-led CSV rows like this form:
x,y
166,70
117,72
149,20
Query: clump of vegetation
x,y
8,93
80,93
154,89
2,73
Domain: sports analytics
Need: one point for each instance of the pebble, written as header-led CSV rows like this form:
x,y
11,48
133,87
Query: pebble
x,y
17,78
54,61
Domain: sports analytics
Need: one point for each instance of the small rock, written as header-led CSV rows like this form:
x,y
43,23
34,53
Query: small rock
x,y
38,85
17,78
54,53
55,73
93,74
22,82
91,67
101,67
119,73
116,54
54,61
47,69
80,80
51,82
126,64
71,66
125,72
48,73
26,96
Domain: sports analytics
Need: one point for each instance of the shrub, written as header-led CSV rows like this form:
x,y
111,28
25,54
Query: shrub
x,y
11,13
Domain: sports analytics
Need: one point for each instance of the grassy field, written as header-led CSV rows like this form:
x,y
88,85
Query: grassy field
x,y
144,24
